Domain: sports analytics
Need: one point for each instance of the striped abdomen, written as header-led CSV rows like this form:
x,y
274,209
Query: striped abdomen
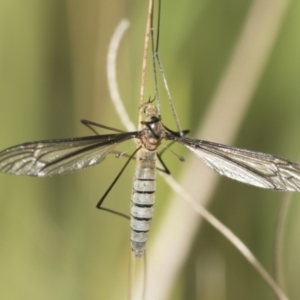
x,y
142,200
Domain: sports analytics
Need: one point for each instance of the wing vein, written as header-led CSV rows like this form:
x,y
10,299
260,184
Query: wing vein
x,y
254,168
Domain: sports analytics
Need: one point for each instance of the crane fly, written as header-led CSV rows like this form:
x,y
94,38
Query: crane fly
x,y
55,157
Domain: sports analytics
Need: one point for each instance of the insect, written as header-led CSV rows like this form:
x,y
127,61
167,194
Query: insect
x,y
55,157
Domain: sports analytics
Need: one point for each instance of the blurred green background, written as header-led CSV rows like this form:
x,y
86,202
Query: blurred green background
x,y
54,243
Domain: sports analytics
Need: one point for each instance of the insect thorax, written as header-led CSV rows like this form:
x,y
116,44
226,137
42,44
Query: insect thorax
x,y
152,132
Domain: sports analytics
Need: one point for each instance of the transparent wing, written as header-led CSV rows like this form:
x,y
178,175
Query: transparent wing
x,y
53,157
255,168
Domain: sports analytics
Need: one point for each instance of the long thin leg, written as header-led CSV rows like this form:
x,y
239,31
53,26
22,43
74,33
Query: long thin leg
x,y
89,124
115,212
160,67
165,168
154,63
185,132
116,179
